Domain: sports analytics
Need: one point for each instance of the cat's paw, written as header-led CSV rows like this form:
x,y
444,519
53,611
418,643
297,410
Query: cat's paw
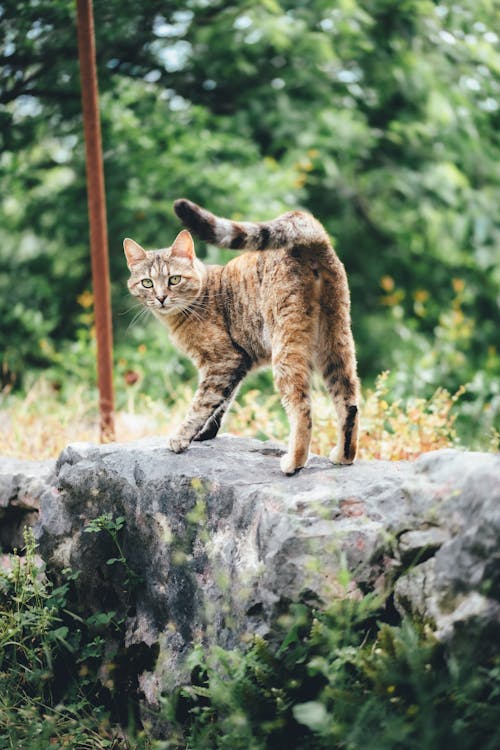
x,y
337,457
177,443
288,465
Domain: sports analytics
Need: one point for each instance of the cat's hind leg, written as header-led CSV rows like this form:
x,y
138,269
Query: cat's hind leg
x,y
292,375
343,386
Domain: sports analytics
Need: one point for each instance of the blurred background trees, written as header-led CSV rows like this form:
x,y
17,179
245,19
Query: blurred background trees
x,y
380,116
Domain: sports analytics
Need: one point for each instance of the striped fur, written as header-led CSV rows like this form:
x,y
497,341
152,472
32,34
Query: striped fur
x,y
288,307
293,229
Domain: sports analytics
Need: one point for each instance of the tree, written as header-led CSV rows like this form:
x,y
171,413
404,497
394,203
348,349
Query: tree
x,y
381,117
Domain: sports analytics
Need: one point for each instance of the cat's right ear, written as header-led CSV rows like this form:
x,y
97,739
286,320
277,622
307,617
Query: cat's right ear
x,y
133,252
183,246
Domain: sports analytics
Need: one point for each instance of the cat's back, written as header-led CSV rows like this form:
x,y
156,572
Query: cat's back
x,y
265,278
259,291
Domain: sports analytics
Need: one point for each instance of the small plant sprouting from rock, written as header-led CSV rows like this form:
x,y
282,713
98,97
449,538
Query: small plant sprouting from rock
x,y
113,526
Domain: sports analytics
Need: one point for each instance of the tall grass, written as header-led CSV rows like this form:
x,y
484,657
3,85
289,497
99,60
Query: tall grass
x,y
42,422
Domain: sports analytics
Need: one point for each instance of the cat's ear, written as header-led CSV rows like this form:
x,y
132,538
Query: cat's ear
x,y
134,252
183,246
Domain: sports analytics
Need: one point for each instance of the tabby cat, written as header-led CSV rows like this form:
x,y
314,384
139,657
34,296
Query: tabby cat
x,y
285,302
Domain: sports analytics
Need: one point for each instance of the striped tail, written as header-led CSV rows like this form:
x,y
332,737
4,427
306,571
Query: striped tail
x,y
293,229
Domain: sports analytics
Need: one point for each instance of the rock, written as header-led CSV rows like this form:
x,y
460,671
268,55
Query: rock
x,y
458,589
21,485
212,545
221,539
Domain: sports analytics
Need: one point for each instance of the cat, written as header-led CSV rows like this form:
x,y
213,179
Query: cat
x,y
284,302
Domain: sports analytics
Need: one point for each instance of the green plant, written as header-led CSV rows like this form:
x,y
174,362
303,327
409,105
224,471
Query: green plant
x,y
435,353
40,705
331,679
113,526
339,678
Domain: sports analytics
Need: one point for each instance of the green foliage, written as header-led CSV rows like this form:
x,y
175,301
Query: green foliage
x,y
336,678
112,526
381,117
339,679
41,704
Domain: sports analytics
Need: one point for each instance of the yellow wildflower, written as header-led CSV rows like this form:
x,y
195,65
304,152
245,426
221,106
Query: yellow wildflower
x,y
387,283
85,299
458,285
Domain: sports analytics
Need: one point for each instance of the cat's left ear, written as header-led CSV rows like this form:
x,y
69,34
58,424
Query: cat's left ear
x,y
183,246
133,252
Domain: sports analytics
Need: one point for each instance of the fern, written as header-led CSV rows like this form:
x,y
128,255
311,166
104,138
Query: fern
x,y
342,679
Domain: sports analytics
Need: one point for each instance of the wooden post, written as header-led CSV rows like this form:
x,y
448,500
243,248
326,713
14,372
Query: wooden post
x,y
97,217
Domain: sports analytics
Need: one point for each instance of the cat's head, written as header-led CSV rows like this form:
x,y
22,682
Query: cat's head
x,y
167,281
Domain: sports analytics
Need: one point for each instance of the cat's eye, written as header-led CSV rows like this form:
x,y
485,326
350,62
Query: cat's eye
x,y
147,283
173,280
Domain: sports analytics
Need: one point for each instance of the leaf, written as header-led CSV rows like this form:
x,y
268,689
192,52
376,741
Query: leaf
x,y
60,633
113,560
312,714
101,618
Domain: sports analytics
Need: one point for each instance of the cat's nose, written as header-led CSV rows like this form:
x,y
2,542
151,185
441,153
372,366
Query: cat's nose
x,y
161,298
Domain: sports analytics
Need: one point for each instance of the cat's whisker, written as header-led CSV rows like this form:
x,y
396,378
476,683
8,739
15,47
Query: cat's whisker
x,y
196,313
129,309
202,303
137,317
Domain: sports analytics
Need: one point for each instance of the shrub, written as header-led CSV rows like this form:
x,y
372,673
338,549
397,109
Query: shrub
x,y
50,694
340,678
348,676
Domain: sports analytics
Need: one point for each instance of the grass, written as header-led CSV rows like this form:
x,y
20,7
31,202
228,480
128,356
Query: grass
x,y
345,676
40,424
340,678
41,705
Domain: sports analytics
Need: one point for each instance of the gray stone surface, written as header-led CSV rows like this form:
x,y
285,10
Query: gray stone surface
x,y
21,485
457,496
218,541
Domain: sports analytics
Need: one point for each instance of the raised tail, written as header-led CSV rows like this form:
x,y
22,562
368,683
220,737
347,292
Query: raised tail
x,y
293,229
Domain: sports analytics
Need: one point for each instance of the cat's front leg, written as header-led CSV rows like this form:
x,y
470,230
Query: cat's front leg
x,y
178,443
180,440
210,401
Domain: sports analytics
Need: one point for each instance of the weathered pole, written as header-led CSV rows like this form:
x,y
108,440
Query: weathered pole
x,y
97,217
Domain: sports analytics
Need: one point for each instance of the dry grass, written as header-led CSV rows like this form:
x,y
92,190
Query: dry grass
x,y
43,423
39,425
389,430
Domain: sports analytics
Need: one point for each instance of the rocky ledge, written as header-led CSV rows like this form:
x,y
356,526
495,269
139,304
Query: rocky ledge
x,y
212,545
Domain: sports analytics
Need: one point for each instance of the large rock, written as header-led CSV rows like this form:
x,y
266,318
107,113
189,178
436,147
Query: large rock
x,y
21,485
211,545
457,497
